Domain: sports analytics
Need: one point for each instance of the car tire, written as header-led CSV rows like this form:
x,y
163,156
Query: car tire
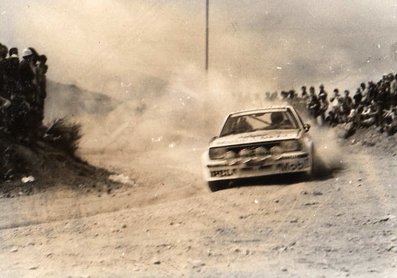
x,y
216,185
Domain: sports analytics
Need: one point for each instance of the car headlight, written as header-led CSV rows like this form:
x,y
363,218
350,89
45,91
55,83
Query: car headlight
x,y
290,145
276,152
217,153
229,154
260,151
245,152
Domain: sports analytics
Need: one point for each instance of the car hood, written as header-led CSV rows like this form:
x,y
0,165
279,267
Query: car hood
x,y
255,137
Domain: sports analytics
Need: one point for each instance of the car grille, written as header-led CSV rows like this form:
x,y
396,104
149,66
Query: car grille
x,y
249,149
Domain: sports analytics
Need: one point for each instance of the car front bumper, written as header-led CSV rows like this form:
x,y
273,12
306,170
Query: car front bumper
x,y
246,167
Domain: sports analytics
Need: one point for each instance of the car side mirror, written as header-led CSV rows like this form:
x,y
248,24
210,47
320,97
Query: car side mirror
x,y
306,127
213,138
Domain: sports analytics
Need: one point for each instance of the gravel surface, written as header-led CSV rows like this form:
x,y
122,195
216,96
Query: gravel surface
x,y
166,223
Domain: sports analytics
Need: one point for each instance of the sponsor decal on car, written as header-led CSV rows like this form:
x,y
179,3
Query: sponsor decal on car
x,y
294,166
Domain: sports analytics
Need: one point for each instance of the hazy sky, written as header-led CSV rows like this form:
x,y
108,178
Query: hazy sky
x,y
278,43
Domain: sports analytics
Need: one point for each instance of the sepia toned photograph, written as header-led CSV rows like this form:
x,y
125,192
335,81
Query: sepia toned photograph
x,y
198,138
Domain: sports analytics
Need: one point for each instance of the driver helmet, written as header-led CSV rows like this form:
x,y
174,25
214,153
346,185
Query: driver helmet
x,y
276,117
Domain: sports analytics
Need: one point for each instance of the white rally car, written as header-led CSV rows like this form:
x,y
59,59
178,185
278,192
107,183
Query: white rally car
x,y
259,142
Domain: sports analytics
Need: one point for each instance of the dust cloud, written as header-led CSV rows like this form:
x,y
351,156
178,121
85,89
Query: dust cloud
x,y
188,111
328,157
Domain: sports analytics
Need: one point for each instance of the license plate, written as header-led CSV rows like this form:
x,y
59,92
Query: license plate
x,y
223,173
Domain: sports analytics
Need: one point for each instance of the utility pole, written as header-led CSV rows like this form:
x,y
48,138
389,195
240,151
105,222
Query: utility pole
x,y
207,33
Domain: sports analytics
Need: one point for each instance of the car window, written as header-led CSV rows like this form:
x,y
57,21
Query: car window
x,y
259,121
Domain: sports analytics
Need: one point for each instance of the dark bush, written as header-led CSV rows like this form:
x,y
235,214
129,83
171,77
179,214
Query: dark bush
x,y
64,136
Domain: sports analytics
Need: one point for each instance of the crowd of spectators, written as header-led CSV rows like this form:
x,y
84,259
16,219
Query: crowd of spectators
x,y
372,105
22,92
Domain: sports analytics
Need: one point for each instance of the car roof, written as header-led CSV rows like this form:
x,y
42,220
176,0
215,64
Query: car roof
x,y
261,110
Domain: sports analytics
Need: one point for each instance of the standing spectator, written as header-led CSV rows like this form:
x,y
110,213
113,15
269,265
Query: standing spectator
x,y
41,70
313,103
291,94
341,116
303,100
304,94
371,93
12,63
335,109
334,98
4,102
384,92
324,104
364,91
347,103
11,73
3,55
27,74
28,117
322,92
357,98
393,91
284,95
27,69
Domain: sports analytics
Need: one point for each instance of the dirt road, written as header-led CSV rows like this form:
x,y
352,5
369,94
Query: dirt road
x,y
167,224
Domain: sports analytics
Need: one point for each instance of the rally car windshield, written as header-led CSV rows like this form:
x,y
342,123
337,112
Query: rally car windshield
x,y
236,124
